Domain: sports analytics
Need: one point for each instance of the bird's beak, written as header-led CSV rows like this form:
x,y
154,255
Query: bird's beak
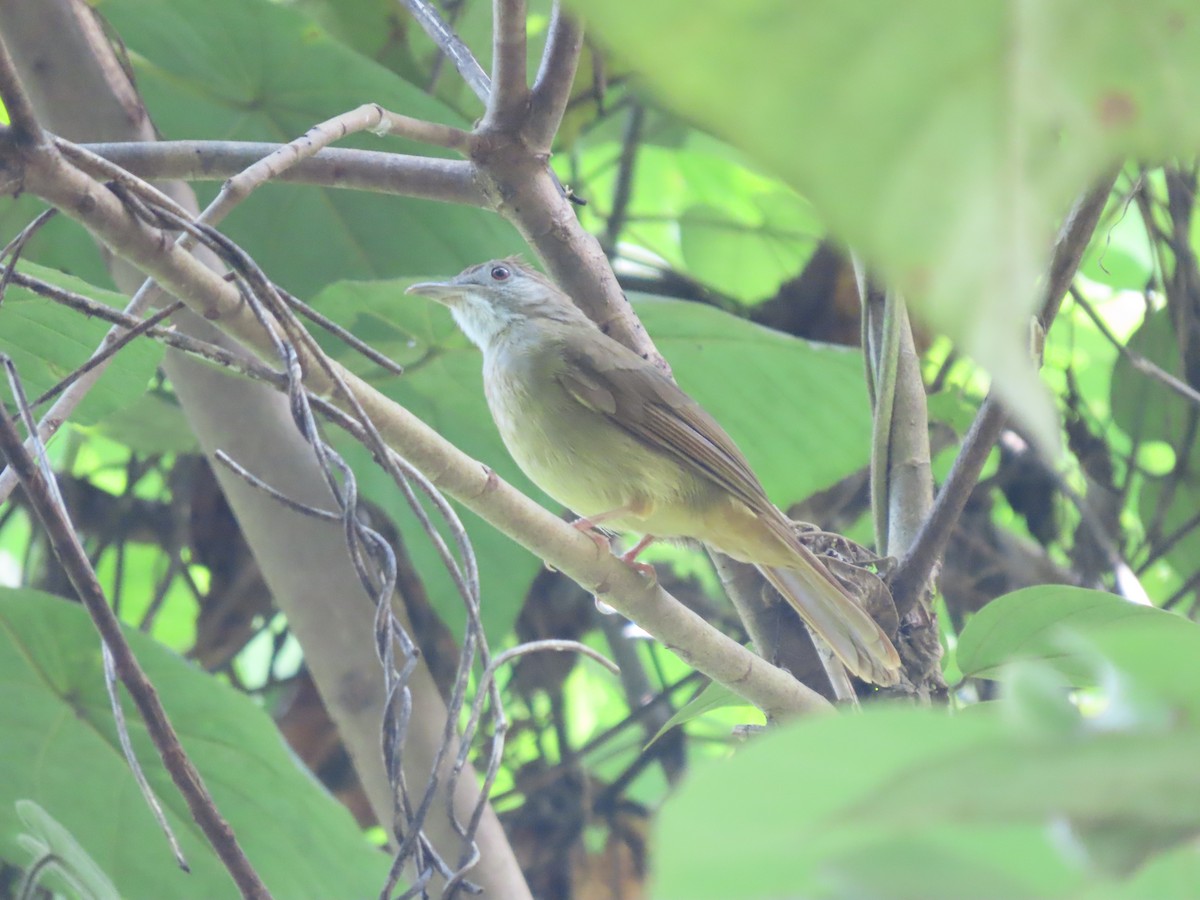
x,y
441,291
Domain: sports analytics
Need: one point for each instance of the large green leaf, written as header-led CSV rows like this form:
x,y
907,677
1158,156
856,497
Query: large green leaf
x,y
47,341
1031,623
797,409
59,749
943,140
788,816
698,204
1091,639
251,70
910,803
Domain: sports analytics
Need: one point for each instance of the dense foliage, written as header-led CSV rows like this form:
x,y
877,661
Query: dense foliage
x,y
726,155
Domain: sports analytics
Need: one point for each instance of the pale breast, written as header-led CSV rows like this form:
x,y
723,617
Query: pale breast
x,y
579,456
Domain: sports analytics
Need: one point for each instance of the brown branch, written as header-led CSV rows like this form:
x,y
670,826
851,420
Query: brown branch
x,y
24,129
510,90
555,77
544,534
915,568
426,178
71,556
631,141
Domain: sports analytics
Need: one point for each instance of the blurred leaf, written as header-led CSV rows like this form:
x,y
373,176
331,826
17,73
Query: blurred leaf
x,y
153,423
747,258
790,815
1030,623
45,837
700,205
1120,256
60,244
47,341
911,803
1171,876
250,70
1144,408
1076,345
714,695
781,398
1038,701
374,28
61,751
1147,410
947,163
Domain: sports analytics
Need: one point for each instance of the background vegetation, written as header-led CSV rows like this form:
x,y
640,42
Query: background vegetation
x,y
727,155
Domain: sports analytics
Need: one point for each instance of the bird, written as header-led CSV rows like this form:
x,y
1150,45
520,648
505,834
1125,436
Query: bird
x,y
608,435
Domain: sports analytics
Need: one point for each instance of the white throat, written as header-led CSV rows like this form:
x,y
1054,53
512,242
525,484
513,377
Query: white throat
x,y
480,321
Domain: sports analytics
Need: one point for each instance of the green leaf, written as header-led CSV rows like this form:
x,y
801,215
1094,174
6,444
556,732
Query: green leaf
x,y
1171,876
714,695
250,70
797,409
45,837
1143,407
61,751
60,244
912,803
47,341
153,423
700,205
1148,411
749,256
948,163
788,815
1031,622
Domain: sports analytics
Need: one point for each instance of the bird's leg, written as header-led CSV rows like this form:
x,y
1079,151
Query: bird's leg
x,y
629,557
588,527
588,524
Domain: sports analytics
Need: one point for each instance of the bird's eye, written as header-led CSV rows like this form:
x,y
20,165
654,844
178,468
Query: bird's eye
x,y
500,273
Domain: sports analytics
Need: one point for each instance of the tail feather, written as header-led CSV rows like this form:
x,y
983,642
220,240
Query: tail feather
x,y
855,637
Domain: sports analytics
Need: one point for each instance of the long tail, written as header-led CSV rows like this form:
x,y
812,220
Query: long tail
x,y
855,637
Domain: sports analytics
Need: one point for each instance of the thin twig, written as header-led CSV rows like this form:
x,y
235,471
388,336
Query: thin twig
x,y
108,351
41,494
114,699
449,43
24,129
623,188
430,178
193,346
13,250
368,117
914,569
555,77
483,692
1139,362
278,496
345,336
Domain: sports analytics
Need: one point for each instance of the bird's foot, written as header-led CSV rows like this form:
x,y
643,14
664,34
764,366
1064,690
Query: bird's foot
x,y
642,569
629,557
588,527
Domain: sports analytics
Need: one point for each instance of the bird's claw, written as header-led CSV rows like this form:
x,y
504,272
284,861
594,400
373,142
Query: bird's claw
x,y
585,526
644,569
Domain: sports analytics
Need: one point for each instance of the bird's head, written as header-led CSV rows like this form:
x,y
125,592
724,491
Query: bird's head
x,y
488,299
